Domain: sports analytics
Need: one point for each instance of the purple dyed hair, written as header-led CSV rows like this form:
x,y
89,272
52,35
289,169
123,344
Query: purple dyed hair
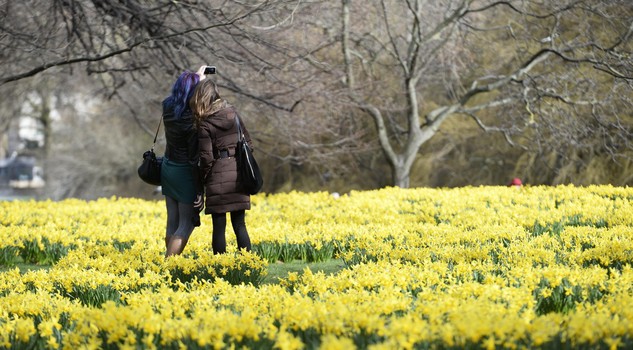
x,y
181,92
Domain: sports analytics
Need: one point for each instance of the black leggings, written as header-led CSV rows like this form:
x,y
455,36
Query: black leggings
x,y
239,226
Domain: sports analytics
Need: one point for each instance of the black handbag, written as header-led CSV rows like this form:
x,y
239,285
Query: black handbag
x,y
149,170
247,169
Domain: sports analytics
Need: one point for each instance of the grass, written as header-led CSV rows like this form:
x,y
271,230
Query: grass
x,y
280,269
24,267
275,270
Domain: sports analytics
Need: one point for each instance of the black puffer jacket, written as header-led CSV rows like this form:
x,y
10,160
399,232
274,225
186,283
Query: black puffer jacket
x,y
182,141
218,132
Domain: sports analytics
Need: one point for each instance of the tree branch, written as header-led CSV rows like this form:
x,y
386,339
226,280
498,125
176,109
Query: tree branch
x,y
515,9
129,48
436,117
487,129
383,137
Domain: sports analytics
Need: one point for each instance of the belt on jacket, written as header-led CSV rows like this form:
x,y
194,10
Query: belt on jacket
x,y
223,153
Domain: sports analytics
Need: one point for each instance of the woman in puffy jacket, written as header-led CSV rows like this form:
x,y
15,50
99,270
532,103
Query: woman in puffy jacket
x,y
217,139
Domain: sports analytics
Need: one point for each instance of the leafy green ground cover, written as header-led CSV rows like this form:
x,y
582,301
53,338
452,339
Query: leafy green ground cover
x,y
276,270
281,269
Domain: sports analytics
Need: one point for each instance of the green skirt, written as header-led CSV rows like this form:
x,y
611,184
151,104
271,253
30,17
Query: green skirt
x,y
177,181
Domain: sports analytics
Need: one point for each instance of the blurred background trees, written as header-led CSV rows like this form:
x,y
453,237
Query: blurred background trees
x,y
339,95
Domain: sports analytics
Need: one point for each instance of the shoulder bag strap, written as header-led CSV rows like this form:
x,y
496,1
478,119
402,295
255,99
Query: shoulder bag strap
x,y
240,135
158,128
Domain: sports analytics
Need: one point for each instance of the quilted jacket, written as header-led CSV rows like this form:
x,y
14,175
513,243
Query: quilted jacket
x,y
217,138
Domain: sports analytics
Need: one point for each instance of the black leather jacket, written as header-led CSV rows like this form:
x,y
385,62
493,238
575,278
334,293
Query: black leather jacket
x,y
182,141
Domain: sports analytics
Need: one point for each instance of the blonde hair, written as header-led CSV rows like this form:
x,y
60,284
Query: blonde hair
x,y
203,98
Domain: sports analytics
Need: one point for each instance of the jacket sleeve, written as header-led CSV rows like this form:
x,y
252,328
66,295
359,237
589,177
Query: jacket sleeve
x,y
205,146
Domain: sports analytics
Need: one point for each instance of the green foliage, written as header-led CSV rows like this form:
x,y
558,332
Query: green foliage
x,y
564,297
305,251
92,296
240,274
9,255
42,252
279,270
121,246
556,228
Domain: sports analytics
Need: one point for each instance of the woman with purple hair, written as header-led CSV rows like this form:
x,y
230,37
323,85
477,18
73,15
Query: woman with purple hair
x,y
180,178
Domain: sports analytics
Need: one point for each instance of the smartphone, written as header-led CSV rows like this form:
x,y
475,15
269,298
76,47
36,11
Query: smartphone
x,y
209,70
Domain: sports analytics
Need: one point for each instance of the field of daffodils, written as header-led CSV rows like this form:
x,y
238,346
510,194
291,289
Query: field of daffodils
x,y
475,267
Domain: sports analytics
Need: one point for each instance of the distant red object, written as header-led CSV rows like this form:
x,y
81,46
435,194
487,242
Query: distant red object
x,y
516,182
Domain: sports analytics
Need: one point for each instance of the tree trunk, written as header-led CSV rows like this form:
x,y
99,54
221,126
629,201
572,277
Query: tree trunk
x,y
401,175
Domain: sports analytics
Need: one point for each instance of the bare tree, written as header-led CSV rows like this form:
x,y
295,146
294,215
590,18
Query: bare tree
x,y
562,69
135,37
132,50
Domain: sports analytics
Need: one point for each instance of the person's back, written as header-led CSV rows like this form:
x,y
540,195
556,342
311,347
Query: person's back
x,y
181,136
180,181
217,139
219,169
